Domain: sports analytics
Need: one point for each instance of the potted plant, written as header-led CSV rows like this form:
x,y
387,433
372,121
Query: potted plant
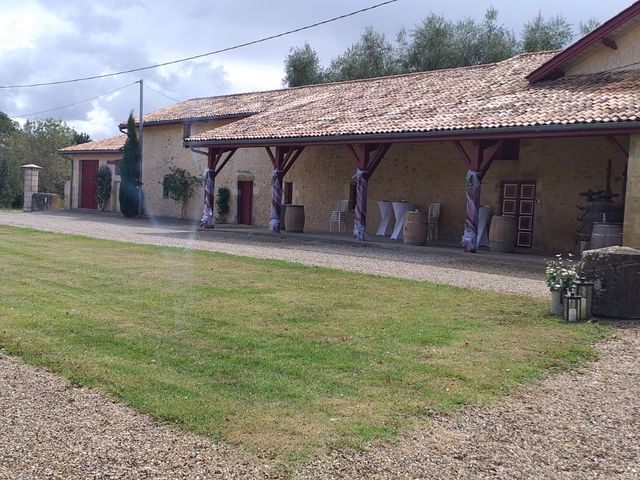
x,y
560,273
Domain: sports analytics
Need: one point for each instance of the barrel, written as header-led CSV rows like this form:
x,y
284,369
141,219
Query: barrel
x,y
606,235
502,234
414,231
294,218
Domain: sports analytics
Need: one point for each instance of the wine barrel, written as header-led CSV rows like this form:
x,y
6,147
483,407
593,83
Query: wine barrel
x,y
605,235
502,234
414,230
294,218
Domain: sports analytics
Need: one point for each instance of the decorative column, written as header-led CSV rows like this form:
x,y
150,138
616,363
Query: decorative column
x,y
478,162
276,200
31,179
208,218
470,236
360,222
282,160
631,228
214,166
368,157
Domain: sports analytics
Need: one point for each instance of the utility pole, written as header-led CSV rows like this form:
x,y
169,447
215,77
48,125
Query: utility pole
x,y
141,117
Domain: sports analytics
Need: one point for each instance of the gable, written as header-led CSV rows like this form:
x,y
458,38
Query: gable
x,y
622,52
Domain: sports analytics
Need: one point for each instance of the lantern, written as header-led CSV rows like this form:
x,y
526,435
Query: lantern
x,y
584,288
572,306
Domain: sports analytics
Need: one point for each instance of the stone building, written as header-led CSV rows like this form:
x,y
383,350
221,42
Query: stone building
x,y
528,134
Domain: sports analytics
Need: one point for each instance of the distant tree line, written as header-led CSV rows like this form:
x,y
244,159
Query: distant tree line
x,y
433,44
37,141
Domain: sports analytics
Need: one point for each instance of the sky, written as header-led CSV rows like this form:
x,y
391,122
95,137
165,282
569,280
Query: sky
x,y
52,40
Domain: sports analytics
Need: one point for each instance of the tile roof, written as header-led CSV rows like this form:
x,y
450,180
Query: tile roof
x,y
103,145
477,97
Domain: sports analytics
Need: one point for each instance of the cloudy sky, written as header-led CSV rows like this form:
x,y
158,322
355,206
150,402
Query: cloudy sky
x,y
51,40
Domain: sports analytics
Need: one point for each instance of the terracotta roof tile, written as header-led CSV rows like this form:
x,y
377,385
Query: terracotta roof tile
x,y
103,145
485,96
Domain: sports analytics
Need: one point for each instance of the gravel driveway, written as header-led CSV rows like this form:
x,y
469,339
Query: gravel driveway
x,y
503,273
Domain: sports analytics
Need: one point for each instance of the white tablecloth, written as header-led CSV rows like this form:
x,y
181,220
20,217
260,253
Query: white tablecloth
x,y
386,215
399,210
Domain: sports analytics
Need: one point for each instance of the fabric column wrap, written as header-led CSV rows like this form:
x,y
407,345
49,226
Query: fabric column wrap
x,y
474,182
276,200
208,218
359,226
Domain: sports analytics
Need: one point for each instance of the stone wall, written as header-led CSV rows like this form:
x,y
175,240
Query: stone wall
x,y
427,173
632,208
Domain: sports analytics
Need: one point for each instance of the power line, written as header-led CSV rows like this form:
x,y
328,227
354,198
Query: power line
x,y
163,94
214,52
72,104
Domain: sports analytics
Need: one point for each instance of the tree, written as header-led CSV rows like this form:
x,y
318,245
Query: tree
x,y
372,56
431,45
585,28
302,67
495,42
130,172
546,34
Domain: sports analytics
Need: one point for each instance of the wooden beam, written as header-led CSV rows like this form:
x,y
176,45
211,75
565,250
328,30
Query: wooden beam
x,y
487,159
224,162
618,148
295,153
271,156
463,152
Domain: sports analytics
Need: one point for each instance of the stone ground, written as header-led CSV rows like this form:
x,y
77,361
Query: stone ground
x,y
511,273
574,425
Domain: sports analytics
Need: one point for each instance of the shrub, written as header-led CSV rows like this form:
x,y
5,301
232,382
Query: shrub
x,y
103,186
179,185
222,203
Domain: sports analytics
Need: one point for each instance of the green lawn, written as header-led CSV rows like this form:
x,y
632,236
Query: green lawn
x,y
278,357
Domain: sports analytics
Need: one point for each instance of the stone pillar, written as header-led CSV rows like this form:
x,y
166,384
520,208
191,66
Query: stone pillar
x,y
631,237
31,177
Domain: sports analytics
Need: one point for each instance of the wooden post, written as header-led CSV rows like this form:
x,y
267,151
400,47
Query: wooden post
x,y
214,166
368,157
282,161
478,162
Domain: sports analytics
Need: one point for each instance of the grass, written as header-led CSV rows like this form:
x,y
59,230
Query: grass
x,y
281,358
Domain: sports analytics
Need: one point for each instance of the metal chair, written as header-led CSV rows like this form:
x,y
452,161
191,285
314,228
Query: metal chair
x,y
339,215
434,217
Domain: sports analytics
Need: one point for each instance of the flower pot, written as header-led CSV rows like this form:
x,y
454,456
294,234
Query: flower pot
x,y
556,302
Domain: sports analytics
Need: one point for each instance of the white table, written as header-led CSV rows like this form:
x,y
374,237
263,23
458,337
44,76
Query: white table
x,y
386,213
399,210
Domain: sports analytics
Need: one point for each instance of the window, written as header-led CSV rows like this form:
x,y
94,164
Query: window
x,y
288,193
353,192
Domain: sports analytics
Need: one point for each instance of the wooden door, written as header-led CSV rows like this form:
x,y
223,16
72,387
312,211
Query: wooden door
x,y
88,185
245,202
518,200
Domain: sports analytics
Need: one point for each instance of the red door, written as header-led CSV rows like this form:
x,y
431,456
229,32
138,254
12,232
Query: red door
x,y
245,202
88,187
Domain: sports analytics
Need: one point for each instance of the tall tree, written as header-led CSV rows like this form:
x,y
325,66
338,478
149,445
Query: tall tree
x,y
130,172
495,42
585,28
546,34
371,56
302,67
430,45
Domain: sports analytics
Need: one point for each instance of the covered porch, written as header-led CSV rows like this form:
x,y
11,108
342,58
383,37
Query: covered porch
x,y
459,171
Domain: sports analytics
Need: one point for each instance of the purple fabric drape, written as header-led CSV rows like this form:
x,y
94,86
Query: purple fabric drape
x,y
359,226
276,200
208,219
469,239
